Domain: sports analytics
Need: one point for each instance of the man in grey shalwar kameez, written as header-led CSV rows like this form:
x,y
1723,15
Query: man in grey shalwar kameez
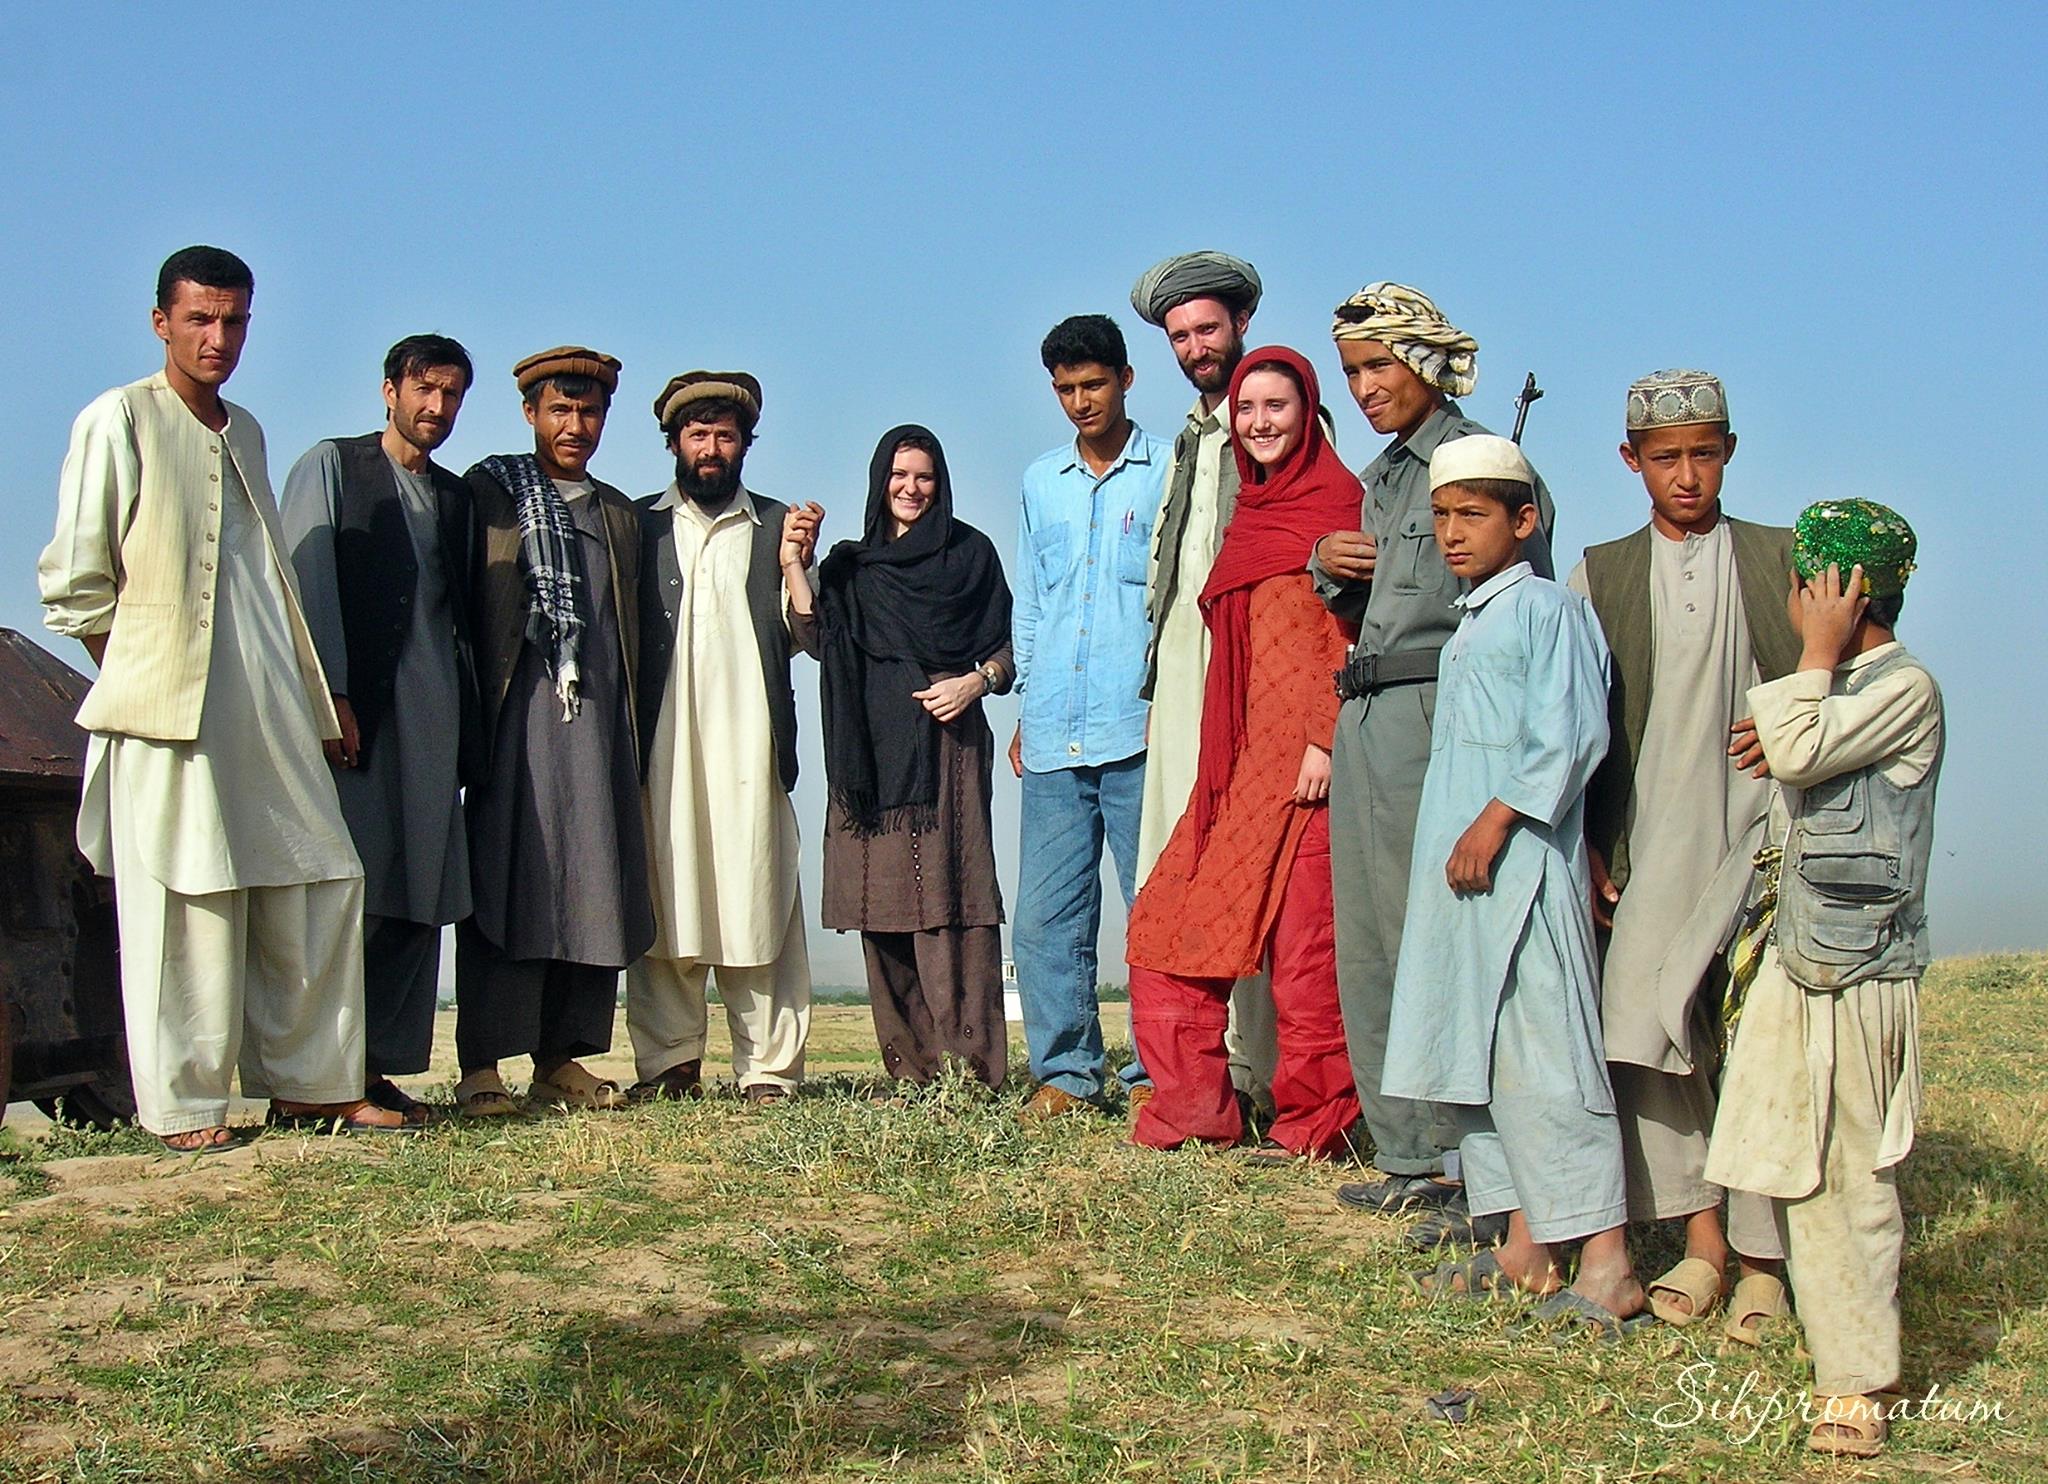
x,y
1404,363
379,535
556,832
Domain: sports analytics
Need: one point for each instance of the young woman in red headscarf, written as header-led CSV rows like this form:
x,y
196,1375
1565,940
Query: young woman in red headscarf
x,y
1245,877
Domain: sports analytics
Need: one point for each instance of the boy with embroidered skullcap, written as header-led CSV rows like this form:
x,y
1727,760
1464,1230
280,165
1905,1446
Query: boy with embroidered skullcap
x,y
1692,606
1823,1082
1496,998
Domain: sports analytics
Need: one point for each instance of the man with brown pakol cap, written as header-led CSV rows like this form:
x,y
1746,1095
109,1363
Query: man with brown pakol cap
x,y
557,836
1693,608
1204,302
379,535
206,797
1404,362
718,736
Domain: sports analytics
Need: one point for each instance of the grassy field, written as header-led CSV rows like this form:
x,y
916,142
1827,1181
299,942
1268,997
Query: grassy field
x,y
840,1288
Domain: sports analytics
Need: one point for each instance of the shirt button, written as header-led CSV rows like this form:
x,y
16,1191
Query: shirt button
x,y
1689,608
206,566
213,448
206,597
1073,747
675,582
212,536
202,623
214,477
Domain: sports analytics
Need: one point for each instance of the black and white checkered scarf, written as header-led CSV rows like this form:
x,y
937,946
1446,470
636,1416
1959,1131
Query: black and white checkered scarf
x,y
552,567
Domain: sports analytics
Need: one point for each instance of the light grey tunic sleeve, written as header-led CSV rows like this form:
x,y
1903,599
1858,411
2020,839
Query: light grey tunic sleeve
x,y
311,508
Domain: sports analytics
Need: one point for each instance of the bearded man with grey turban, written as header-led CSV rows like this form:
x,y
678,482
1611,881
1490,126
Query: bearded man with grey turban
x,y
1204,302
1404,362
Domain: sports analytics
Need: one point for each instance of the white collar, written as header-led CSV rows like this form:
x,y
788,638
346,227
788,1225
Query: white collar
x,y
673,498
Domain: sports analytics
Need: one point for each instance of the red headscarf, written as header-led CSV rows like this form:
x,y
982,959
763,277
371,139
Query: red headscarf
x,y
1281,514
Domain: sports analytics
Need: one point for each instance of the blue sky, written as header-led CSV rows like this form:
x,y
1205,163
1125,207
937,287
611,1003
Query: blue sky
x,y
880,210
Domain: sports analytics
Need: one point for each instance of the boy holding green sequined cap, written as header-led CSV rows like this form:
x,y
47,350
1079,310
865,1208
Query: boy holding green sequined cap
x,y
1822,1088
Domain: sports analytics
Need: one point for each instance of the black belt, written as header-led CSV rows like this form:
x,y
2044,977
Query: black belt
x,y
1364,674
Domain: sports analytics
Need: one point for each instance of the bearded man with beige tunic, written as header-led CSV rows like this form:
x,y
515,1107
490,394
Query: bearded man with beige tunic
x,y
1693,608
1204,302
207,795
718,730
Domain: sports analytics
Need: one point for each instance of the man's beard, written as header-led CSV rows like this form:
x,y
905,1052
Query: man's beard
x,y
426,440
1210,382
711,491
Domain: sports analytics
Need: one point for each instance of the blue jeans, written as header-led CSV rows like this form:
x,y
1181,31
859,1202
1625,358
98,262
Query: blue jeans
x,y
1066,815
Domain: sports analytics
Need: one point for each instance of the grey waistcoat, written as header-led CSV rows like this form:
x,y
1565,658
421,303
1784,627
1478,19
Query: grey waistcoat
x,y
1852,892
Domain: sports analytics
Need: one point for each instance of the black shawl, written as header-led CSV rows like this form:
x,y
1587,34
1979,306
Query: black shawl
x,y
892,614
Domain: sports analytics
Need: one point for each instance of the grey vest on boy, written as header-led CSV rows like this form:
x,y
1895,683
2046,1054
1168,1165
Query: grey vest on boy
x,y
1852,891
661,598
1618,572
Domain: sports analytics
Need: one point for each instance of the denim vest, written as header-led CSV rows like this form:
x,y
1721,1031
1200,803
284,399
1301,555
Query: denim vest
x,y
1852,892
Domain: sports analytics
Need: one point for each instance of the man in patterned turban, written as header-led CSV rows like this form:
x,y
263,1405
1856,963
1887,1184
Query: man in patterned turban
x,y
1404,362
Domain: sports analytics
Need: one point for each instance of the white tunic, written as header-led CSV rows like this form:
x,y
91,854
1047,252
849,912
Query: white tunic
x,y
1173,747
250,802
1690,807
722,837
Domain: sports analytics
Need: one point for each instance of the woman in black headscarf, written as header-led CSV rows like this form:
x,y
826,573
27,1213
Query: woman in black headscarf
x,y
914,629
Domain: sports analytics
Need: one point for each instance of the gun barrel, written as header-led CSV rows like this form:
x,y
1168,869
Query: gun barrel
x,y
1529,394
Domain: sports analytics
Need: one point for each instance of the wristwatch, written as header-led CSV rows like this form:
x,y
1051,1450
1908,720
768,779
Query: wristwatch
x,y
990,672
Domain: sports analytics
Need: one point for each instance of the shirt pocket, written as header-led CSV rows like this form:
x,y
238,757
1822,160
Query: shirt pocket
x,y
1413,565
1489,702
1134,553
1052,553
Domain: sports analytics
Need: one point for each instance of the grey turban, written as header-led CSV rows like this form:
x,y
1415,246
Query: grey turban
x,y
1195,275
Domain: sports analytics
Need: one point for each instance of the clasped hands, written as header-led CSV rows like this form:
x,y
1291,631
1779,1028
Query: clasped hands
x,y
800,534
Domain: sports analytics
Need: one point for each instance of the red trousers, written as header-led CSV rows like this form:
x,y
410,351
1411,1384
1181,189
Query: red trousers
x,y
1179,1022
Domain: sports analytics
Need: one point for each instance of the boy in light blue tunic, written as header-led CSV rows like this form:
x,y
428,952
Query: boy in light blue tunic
x,y
1496,998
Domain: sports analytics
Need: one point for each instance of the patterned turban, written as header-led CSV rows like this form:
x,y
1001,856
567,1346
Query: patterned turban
x,y
1409,324
1195,275
1850,533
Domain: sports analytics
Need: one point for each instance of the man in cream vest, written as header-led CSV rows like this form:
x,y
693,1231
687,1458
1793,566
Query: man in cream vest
x,y
207,797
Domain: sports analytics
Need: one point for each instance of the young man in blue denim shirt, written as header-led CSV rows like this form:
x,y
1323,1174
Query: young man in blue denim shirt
x,y
1079,636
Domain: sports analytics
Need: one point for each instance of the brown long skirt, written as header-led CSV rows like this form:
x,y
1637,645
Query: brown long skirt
x,y
936,994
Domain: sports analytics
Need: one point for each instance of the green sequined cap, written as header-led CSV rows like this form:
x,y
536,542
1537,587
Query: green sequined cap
x,y
1848,533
